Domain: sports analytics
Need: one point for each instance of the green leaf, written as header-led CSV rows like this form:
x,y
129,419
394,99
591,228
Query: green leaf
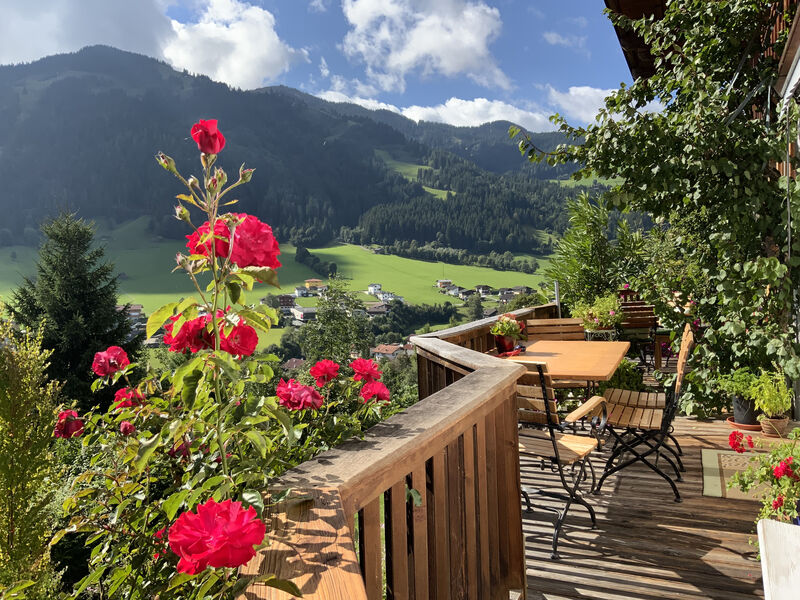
x,y
279,584
159,317
414,496
257,440
235,291
91,578
263,274
146,449
173,503
513,131
255,499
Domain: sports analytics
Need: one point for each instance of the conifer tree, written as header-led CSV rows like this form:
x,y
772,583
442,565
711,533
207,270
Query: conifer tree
x,y
74,295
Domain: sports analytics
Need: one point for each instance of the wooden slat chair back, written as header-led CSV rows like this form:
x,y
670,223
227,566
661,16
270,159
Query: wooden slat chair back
x,y
628,295
555,329
562,451
634,423
531,403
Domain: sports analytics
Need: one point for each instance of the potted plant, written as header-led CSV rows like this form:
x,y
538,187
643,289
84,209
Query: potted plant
x,y
506,331
773,398
737,385
603,313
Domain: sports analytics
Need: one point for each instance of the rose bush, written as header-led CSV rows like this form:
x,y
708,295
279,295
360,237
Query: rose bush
x,y
185,455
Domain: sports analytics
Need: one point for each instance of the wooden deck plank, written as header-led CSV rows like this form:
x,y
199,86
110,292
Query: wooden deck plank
x,y
646,546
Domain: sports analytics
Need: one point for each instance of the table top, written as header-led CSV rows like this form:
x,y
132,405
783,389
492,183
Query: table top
x,y
582,361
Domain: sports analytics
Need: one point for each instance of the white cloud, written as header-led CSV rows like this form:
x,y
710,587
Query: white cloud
x,y
323,67
579,103
334,96
395,38
30,32
457,111
232,42
317,6
575,42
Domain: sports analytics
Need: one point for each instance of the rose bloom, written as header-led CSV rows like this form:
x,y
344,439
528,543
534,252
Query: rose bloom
x,y
296,396
219,535
365,369
324,371
374,389
777,503
110,361
241,341
253,242
127,398
68,425
193,335
127,428
209,139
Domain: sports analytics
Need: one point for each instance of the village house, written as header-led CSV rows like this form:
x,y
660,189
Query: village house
x,y
376,309
484,290
390,351
303,314
490,312
521,289
455,290
313,284
505,298
136,317
301,292
464,294
444,283
373,288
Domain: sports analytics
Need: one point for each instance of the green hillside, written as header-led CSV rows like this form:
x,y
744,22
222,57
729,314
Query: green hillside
x,y
145,264
409,170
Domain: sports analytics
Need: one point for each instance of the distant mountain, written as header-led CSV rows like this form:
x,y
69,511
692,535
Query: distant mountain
x,y
487,145
79,131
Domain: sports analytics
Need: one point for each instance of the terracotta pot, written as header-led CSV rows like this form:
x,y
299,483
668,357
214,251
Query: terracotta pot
x,y
774,427
504,343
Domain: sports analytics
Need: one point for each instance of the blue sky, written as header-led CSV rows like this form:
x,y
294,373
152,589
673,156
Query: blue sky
x,y
457,61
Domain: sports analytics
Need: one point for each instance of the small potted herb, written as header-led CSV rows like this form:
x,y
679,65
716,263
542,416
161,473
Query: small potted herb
x,y
506,331
773,398
736,385
603,313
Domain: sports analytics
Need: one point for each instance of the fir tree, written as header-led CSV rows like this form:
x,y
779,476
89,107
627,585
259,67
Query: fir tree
x,y
74,295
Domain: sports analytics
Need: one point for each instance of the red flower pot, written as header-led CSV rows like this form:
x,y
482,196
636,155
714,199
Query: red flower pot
x,y
504,343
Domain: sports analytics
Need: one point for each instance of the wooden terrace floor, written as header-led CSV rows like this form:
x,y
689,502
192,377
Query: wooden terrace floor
x,y
646,545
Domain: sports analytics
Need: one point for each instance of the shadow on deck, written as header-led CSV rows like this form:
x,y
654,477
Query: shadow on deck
x,y
646,545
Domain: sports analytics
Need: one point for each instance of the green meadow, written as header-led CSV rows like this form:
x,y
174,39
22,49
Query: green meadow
x,y
409,170
145,266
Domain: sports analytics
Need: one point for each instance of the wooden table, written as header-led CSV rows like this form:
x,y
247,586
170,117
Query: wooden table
x,y
575,360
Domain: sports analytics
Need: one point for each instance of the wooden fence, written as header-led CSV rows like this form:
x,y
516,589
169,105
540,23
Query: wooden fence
x,y
427,505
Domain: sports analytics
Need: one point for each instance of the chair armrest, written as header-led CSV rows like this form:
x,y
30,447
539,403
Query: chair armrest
x,y
586,409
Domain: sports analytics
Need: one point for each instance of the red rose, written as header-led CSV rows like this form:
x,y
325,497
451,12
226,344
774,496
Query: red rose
x,y
324,371
68,425
127,428
365,369
110,361
253,242
180,450
209,139
159,537
193,335
127,398
374,389
777,503
296,396
241,341
219,535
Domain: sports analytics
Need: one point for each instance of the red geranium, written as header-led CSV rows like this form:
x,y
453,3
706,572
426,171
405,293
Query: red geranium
x,y
784,469
365,369
127,398
296,396
253,242
777,503
68,425
374,389
127,428
324,371
219,535
110,361
209,139
735,441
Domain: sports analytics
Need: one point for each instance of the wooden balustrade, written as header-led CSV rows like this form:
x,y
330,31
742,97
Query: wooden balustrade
x,y
427,505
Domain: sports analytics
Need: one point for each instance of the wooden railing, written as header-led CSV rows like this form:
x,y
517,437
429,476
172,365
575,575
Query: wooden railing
x,y
426,505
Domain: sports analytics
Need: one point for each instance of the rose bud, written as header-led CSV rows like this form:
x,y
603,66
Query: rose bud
x,y
127,428
193,183
182,214
208,160
221,176
166,162
245,175
213,185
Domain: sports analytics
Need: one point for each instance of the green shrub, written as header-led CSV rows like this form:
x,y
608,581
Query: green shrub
x,y
771,394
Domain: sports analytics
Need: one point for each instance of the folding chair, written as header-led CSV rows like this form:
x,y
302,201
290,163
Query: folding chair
x,y
560,450
644,431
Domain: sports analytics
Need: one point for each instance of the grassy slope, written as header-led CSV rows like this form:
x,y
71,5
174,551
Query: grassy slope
x,y
147,264
409,171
